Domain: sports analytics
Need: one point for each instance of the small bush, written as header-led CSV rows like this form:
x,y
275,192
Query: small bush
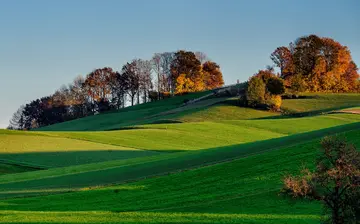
x,y
153,95
274,102
275,86
165,95
255,94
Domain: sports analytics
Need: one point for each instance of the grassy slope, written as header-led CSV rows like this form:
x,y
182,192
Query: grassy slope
x,y
137,114
147,113
225,110
197,197
202,135
62,148
322,102
72,178
41,149
244,190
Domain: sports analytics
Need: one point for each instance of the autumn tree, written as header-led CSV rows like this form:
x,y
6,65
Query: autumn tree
x,y
322,63
335,181
98,83
212,75
184,85
283,58
185,62
80,105
297,84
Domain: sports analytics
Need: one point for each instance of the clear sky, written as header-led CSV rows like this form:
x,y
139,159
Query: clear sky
x,y
44,44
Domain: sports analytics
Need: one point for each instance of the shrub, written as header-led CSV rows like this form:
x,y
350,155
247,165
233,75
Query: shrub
x,y
275,86
255,94
153,95
165,95
274,102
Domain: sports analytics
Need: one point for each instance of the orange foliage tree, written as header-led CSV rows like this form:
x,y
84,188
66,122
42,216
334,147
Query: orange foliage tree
x,y
212,75
323,63
202,76
97,83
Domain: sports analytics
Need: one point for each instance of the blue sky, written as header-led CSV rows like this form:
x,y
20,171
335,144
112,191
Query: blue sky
x,y
44,44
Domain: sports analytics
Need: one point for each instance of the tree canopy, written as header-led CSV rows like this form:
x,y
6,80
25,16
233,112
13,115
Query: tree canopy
x,y
322,63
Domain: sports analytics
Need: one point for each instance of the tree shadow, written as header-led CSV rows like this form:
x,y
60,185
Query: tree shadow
x,y
313,113
43,160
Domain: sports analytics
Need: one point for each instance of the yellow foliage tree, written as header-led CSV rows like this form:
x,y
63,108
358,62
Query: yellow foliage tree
x,y
184,84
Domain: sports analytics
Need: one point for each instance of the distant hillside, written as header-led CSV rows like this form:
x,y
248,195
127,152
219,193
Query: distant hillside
x,y
209,109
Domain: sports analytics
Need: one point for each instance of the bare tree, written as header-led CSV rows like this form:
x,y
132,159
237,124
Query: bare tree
x,y
201,56
17,120
144,67
79,102
161,66
156,65
129,70
167,59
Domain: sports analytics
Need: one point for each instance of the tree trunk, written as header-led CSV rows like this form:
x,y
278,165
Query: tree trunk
x,y
138,97
158,76
336,209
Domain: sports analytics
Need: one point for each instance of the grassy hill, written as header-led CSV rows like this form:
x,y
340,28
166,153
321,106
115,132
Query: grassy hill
x,y
56,149
95,174
207,162
244,190
212,109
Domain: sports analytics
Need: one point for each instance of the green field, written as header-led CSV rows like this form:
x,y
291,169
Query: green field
x,y
208,162
38,149
227,195
321,102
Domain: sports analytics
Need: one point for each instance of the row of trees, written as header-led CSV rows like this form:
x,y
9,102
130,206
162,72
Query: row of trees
x,y
310,64
139,81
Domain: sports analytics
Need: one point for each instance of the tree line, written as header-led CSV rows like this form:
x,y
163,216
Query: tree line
x,y
138,81
310,64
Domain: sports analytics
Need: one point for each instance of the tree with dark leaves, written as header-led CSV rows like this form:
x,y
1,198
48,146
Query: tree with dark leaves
x,y
335,181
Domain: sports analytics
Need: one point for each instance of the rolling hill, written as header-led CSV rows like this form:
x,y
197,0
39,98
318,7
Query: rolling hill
x,y
164,162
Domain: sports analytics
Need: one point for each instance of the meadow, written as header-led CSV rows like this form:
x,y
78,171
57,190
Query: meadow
x,y
210,162
242,190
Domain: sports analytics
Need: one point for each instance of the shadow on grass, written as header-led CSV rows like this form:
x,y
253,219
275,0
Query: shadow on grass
x,y
293,114
43,160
